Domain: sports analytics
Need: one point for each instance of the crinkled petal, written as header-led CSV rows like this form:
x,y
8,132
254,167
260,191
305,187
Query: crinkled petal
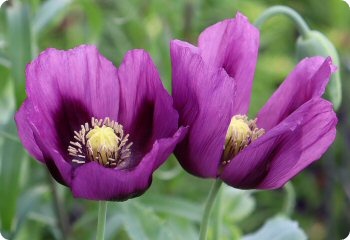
x,y
286,149
25,132
92,181
70,87
146,109
204,98
233,45
308,80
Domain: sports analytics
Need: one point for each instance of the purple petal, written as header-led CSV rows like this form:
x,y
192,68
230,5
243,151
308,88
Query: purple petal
x,y
308,80
70,87
59,168
204,98
233,45
286,149
146,108
92,181
25,132
189,46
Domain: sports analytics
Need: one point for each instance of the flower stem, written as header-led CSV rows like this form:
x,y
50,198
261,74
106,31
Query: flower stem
x,y
217,216
301,25
59,208
207,210
289,203
102,210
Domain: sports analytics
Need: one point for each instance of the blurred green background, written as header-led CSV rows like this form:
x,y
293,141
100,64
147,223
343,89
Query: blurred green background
x,y
33,206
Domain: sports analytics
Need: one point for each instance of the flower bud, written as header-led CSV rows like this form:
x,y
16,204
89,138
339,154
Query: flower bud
x,y
317,44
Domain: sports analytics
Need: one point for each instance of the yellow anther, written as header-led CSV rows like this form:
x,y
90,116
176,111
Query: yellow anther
x,y
103,141
240,133
238,130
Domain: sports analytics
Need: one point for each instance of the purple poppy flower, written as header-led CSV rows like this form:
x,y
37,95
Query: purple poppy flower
x,y
211,90
100,130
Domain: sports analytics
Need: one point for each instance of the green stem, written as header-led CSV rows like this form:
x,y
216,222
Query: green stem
x,y
289,203
102,211
301,25
59,208
207,210
217,216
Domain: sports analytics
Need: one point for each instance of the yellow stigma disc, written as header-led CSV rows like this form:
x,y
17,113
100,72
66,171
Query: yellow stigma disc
x,y
102,141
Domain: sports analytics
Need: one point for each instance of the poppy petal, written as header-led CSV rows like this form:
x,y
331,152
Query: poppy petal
x,y
92,181
308,80
286,149
204,98
233,44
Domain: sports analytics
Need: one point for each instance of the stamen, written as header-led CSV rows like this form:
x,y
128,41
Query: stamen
x,y
241,132
78,161
103,142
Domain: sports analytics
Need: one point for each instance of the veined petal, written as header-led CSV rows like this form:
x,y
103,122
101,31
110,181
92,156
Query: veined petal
x,y
25,132
70,87
285,150
204,98
308,80
233,45
183,44
59,168
92,181
71,92
146,108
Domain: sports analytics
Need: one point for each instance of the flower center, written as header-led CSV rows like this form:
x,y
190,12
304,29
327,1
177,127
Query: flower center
x,y
103,142
240,133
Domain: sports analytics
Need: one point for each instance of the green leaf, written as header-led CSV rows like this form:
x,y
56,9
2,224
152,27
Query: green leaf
x,y
94,24
20,48
48,13
183,229
13,161
278,228
133,224
175,206
236,204
141,222
29,201
113,225
4,61
7,99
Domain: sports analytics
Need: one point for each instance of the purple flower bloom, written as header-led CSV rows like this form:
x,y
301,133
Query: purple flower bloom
x,y
100,130
211,90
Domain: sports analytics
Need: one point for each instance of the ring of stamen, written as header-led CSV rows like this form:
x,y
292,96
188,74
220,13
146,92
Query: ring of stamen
x,y
240,133
103,142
